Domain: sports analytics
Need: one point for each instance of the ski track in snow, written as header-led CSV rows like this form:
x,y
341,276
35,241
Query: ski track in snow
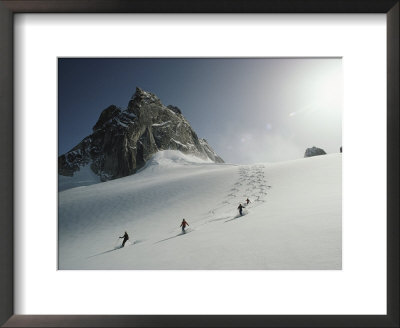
x,y
249,175
251,184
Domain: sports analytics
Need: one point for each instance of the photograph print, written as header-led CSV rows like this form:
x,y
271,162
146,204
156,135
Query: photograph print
x,y
200,163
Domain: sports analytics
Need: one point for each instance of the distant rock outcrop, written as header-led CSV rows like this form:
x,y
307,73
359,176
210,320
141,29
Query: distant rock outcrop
x,y
314,151
123,140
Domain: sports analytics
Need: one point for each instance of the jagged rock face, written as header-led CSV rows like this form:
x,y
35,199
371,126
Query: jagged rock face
x,y
314,151
123,140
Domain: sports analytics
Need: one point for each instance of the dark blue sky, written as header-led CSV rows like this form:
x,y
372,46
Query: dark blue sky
x,y
249,110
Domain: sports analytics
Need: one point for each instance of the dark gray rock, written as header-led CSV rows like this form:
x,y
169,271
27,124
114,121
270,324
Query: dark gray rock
x,y
124,140
106,116
174,109
314,151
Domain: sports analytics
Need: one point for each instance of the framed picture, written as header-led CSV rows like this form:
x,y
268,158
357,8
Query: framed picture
x,y
212,184
310,259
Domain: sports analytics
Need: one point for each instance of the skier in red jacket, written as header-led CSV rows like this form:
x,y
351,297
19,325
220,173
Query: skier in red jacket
x,y
183,225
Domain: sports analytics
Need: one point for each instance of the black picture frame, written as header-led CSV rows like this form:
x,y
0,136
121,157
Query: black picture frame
x,y
10,7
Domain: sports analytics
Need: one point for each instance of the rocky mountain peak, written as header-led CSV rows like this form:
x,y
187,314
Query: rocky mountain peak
x,y
142,99
124,140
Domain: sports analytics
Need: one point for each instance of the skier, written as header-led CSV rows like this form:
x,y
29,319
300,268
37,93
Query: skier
x,y
247,201
183,225
240,208
126,238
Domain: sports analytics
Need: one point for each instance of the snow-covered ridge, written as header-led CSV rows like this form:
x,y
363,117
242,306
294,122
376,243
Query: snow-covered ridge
x,y
171,158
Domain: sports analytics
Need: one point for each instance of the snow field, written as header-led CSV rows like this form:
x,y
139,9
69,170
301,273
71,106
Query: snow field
x,y
292,222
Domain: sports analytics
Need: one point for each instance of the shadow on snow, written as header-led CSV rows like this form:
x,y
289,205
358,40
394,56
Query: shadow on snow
x,y
179,234
115,249
236,217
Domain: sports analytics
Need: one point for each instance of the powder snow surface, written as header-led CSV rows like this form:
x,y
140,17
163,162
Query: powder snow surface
x,y
292,222
84,177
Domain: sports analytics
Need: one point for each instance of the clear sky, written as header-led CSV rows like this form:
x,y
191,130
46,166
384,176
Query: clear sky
x,y
249,110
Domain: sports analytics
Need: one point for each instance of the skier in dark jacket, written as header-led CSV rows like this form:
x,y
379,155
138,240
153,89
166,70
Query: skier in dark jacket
x,y
183,225
247,201
126,238
240,208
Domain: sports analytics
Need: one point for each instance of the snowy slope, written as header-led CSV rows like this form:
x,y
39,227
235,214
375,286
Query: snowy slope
x,y
292,222
84,177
